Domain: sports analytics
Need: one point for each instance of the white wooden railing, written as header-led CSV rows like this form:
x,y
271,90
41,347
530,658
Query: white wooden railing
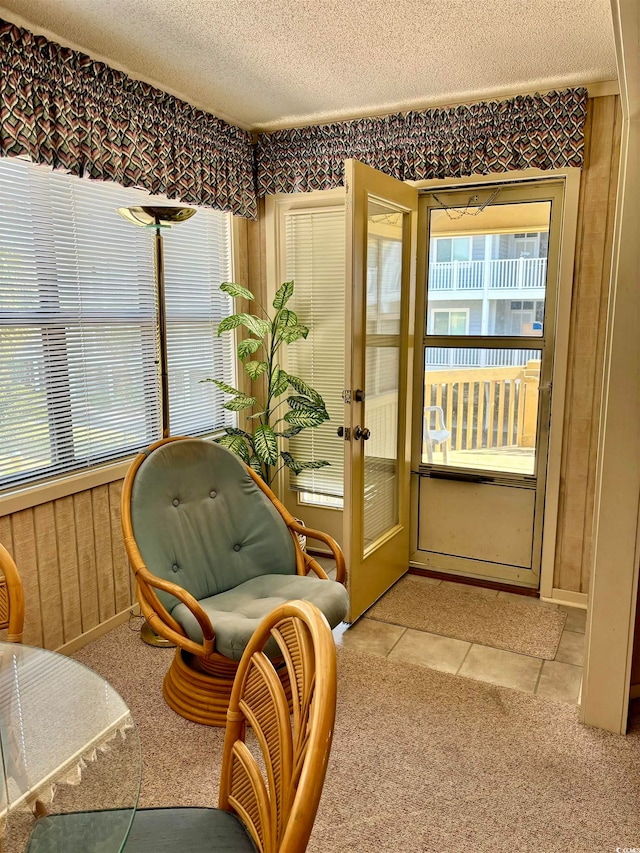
x,y
486,407
498,274
444,357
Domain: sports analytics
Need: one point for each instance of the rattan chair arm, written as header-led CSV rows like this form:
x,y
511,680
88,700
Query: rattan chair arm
x,y
320,536
147,579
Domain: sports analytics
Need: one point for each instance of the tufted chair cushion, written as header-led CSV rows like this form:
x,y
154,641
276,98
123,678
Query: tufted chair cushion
x,y
201,522
236,614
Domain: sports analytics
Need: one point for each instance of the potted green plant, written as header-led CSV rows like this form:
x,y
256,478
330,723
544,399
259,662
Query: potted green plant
x,y
282,405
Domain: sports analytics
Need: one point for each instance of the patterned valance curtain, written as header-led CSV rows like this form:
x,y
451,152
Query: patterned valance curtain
x,y
531,131
61,108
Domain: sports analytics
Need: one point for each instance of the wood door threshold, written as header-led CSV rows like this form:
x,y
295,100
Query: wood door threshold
x,y
501,587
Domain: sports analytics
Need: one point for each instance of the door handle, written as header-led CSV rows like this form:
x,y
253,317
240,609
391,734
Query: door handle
x,y
362,432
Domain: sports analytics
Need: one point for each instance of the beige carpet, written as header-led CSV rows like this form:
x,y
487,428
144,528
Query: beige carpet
x,y
515,623
422,761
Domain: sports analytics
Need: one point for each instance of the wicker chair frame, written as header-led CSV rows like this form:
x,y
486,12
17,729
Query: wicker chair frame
x,y
275,787
199,681
11,598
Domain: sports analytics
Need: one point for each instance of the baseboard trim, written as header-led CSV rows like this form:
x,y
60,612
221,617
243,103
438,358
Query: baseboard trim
x,y
568,597
100,630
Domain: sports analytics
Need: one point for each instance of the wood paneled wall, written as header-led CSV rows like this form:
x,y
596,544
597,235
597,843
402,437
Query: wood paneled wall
x,y
586,343
73,565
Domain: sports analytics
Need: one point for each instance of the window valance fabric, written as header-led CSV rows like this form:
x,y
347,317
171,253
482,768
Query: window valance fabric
x,y
61,108
529,131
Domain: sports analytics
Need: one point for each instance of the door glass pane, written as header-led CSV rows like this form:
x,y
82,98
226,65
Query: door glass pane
x,y
382,371
481,408
497,272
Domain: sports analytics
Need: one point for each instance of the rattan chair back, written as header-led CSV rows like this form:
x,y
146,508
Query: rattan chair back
x,y
274,760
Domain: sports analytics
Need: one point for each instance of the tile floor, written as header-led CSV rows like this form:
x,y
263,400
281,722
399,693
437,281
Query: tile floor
x,y
558,679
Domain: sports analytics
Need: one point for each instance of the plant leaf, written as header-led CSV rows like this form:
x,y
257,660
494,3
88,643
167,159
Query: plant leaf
x,y
228,389
247,347
318,463
266,444
229,323
305,419
256,368
290,462
240,402
289,433
293,333
235,431
256,325
302,388
236,290
286,319
297,466
305,404
283,295
279,382
236,444
256,465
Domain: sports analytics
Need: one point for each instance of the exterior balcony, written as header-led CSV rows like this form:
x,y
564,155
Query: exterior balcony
x,y
507,278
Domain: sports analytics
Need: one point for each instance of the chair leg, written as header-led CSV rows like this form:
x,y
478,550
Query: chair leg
x,y
445,452
429,452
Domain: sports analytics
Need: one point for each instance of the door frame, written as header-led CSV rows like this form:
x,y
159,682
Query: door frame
x,y
568,229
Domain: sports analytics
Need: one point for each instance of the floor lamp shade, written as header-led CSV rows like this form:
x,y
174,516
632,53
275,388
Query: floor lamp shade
x,y
157,217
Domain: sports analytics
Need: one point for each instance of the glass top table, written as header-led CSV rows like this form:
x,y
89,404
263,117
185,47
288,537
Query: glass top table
x,y
69,747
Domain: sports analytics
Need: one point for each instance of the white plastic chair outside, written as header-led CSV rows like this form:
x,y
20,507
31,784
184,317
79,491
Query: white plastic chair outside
x,y
439,435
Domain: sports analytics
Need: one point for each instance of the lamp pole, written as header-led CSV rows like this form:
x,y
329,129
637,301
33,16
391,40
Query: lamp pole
x,y
157,218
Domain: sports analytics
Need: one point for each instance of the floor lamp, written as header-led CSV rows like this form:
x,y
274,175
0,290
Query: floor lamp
x,y
156,218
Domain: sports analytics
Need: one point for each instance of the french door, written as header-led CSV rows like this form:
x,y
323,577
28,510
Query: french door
x,y
489,284
381,234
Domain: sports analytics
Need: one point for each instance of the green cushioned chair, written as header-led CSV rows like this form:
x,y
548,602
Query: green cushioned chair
x,y
213,551
270,784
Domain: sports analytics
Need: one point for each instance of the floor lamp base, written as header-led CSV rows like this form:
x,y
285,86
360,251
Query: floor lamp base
x,y
149,636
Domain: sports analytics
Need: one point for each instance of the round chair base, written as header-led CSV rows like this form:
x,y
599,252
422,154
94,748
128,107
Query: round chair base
x,y
200,696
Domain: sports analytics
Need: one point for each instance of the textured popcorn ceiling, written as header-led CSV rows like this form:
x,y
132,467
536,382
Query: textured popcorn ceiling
x,y
264,64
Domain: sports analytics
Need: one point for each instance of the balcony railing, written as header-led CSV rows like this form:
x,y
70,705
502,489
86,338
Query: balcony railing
x,y
486,408
505,274
444,357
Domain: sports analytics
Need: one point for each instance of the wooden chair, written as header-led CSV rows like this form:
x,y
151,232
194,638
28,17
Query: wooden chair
x,y
213,551
271,782
11,598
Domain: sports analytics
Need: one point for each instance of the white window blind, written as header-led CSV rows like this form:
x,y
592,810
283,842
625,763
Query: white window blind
x,y
197,255
315,260
78,323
